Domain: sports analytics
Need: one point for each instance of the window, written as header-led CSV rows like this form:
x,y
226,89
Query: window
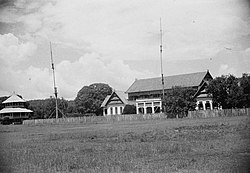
x,y
120,110
149,110
156,103
157,109
111,111
116,111
140,104
141,111
207,105
200,106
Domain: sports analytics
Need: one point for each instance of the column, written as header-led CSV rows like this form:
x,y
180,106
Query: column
x,y
137,108
211,104
145,109
204,105
152,106
197,105
161,106
108,111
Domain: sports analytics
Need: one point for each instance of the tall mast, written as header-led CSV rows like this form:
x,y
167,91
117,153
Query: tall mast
x,y
162,77
54,78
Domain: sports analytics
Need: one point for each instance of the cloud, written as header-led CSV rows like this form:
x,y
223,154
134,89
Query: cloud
x,y
31,81
225,69
247,50
97,37
90,68
71,76
12,51
130,30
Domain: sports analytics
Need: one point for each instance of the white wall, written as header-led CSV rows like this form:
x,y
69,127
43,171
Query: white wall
x,y
119,111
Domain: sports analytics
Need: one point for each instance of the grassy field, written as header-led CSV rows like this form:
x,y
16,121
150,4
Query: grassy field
x,y
172,145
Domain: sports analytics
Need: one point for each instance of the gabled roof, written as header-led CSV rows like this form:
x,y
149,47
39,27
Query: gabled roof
x,y
201,88
14,98
121,94
155,84
105,101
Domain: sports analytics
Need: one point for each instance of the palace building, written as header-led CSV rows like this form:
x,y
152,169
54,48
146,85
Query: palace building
x,y
147,93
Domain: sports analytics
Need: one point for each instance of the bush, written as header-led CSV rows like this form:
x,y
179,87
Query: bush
x,y
129,109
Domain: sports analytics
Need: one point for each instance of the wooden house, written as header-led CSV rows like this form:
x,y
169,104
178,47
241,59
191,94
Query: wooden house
x,y
14,109
147,93
115,103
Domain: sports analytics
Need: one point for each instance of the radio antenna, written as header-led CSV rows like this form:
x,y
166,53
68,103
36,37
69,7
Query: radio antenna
x,y
54,79
162,77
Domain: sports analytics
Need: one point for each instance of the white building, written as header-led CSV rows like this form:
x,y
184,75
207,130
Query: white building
x,y
115,103
14,109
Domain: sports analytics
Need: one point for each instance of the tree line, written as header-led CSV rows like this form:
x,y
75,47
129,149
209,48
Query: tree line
x,y
227,91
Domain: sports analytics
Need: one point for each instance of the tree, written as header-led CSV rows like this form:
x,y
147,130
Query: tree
x,y
46,108
226,92
245,84
179,101
129,109
2,99
90,98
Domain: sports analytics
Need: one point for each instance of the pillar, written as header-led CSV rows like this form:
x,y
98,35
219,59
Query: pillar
x,y
161,106
211,104
204,105
144,107
108,111
197,105
152,106
137,108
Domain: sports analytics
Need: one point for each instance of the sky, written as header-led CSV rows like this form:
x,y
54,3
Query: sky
x,y
117,41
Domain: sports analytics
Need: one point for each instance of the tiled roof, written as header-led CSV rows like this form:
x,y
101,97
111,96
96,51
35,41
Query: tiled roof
x,y
14,110
123,96
14,98
154,84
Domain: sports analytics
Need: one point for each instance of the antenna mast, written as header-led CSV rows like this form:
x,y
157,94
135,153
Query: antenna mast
x,y
54,79
162,78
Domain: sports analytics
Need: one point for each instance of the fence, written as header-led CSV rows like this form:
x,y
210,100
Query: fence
x,y
218,113
96,119
139,117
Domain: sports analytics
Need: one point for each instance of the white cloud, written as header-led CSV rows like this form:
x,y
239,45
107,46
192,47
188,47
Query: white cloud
x,y
111,32
72,76
12,51
130,30
247,50
35,82
225,69
30,81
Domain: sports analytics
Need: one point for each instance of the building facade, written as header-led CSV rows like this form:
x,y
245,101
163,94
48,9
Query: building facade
x,y
147,93
115,103
14,109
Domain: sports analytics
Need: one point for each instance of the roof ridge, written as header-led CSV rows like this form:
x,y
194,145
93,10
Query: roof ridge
x,y
174,75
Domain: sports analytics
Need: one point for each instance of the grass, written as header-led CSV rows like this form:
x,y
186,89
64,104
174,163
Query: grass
x,y
177,145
